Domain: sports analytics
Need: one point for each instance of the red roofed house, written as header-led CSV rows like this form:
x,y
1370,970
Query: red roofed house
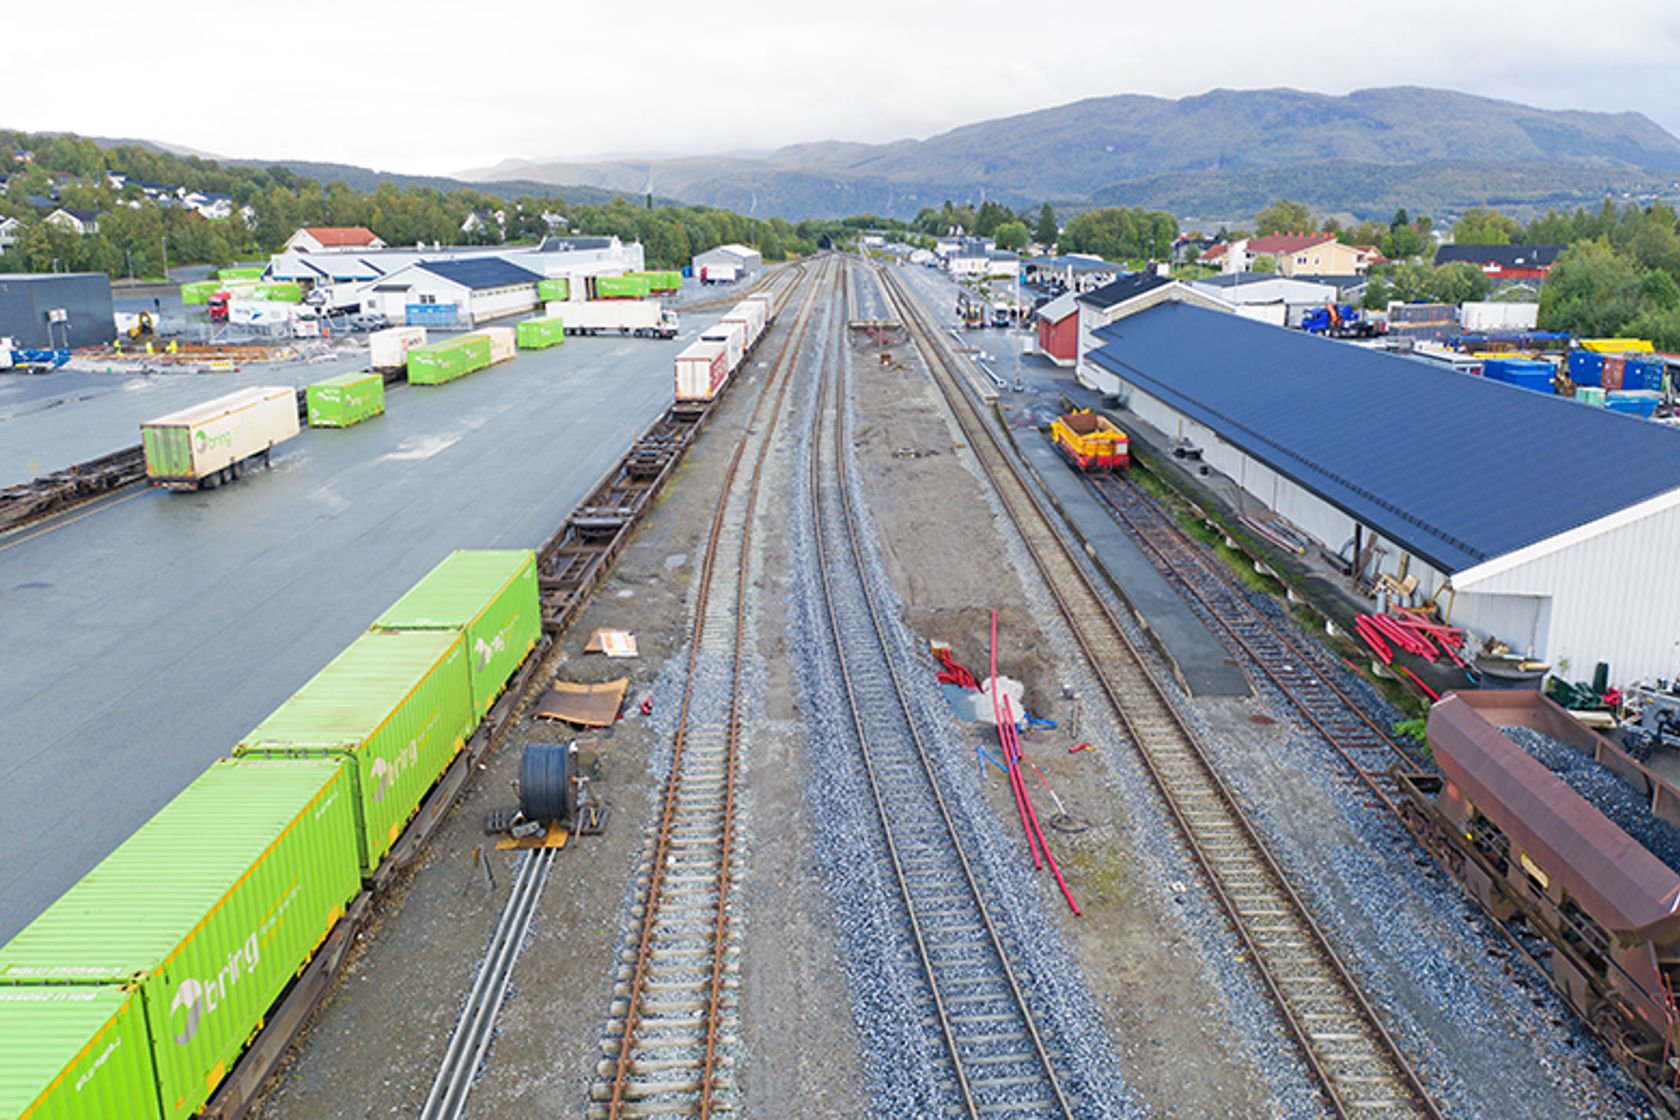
x,y
1293,254
333,239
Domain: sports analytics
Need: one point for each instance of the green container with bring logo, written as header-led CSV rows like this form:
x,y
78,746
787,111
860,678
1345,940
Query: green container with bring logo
x,y
490,597
199,291
278,291
247,272
72,1053
553,289
633,286
398,704
445,361
347,399
539,334
208,911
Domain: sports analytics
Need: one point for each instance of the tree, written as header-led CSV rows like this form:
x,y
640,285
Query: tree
x,y
1012,236
1483,226
1045,232
1591,291
1284,216
1264,263
1120,233
1459,282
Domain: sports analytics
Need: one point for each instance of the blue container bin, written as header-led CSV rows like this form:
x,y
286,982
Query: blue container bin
x,y
1586,368
1524,373
1641,403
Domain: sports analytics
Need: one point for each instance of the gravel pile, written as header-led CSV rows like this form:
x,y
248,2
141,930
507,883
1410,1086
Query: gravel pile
x,y
1604,790
904,1057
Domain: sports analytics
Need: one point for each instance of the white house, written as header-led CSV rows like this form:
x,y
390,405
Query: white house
x,y
11,232
332,239
84,222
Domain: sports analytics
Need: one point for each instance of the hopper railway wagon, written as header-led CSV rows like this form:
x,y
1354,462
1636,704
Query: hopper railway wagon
x,y
1536,853
1091,443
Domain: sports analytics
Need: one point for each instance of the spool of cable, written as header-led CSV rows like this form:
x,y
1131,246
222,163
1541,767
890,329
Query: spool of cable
x,y
546,790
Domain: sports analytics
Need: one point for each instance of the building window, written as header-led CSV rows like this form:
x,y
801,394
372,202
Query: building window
x,y
428,298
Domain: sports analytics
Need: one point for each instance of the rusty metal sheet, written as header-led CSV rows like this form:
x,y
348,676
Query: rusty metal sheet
x,y
587,705
1609,873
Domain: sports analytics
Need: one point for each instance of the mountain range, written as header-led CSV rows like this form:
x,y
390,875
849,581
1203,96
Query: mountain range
x,y
1222,153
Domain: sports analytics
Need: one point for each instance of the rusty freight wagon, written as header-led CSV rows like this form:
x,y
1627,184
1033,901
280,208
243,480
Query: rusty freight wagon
x,y
1091,442
1541,819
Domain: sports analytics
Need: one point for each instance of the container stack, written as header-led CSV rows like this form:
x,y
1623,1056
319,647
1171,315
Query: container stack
x,y
439,362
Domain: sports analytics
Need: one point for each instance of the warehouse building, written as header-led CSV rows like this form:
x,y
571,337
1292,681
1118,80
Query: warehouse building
x,y
1279,300
1127,296
454,293
743,260
1546,523
54,310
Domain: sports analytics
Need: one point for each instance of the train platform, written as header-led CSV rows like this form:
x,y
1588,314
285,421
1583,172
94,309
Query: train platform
x,y
1200,661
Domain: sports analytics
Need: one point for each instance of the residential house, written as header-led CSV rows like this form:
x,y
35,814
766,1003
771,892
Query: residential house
x,y
480,219
1504,264
84,222
11,232
1293,254
333,239
216,207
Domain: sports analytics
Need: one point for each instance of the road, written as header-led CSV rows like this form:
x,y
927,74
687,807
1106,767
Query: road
x,y
146,633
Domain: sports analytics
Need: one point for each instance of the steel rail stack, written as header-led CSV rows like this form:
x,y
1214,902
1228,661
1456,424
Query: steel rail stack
x,y
672,1008
985,1023
1352,1055
1289,662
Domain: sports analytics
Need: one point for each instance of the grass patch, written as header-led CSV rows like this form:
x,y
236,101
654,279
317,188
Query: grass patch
x,y
1102,872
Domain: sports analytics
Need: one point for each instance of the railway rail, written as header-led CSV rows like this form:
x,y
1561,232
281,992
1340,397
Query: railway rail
x,y
1355,1060
982,1018
1288,661
673,1006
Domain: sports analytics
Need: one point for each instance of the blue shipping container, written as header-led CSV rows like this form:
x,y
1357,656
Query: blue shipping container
x,y
432,314
1643,373
1586,368
1521,372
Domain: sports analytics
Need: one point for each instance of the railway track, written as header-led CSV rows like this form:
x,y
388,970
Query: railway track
x,y
1289,662
673,1003
974,1005
1356,1062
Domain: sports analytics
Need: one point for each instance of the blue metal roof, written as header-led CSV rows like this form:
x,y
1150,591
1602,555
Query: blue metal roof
x,y
479,273
1455,468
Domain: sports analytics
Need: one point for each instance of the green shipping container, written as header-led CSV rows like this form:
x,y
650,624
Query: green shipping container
x,y
249,272
553,289
490,596
399,705
539,334
208,911
633,286
74,1053
199,291
445,361
347,399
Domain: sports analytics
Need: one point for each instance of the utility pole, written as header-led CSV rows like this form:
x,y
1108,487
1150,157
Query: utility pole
x,y
164,238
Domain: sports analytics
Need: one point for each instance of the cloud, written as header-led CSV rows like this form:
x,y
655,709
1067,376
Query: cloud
x,y
429,86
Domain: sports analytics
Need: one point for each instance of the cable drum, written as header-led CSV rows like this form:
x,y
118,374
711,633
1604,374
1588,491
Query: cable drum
x,y
546,790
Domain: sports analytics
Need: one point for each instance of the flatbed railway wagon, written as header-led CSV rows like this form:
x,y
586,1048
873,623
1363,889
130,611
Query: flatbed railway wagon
x,y
639,318
1090,442
1529,845
349,398
204,915
208,444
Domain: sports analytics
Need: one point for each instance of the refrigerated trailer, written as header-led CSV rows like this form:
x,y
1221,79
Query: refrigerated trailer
x,y
638,317
212,443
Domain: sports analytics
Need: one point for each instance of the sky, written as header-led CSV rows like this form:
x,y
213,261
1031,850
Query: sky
x,y
432,87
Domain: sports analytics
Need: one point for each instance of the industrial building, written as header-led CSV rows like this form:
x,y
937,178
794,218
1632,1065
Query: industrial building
x,y
1058,329
455,293
1127,296
744,260
1530,518
55,310
1279,300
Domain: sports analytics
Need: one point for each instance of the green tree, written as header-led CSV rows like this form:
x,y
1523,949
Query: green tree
x,y
1045,232
1284,216
1012,236
1459,282
1590,291
1482,226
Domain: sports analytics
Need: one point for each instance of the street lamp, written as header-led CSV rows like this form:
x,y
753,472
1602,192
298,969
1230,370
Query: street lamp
x,y
129,253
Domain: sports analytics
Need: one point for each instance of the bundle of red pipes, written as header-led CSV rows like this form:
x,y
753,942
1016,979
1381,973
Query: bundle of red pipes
x,y
1012,756
1409,633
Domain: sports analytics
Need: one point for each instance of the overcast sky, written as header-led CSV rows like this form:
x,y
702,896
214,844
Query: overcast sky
x,y
438,87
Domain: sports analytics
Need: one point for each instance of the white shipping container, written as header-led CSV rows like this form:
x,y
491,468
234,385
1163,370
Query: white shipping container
x,y
623,316
733,337
503,344
763,301
750,314
719,274
206,443
702,368
1491,316
388,349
